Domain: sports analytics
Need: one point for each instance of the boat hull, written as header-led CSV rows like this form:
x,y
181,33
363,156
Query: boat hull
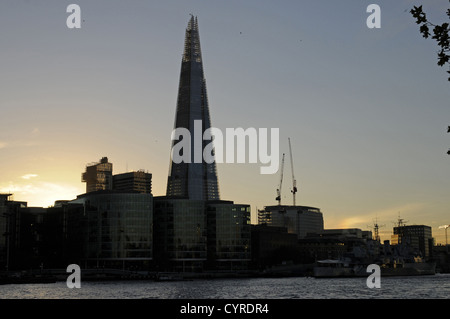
x,y
408,269
411,269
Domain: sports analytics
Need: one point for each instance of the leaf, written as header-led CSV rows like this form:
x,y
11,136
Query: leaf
x,y
425,31
443,58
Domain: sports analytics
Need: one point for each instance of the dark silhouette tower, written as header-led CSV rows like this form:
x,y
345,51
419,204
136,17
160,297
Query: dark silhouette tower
x,y
196,181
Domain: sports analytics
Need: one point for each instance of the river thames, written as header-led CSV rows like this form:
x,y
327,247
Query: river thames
x,y
414,287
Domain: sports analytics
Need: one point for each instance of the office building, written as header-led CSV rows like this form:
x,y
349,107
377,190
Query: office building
x,y
193,179
272,246
98,176
229,235
113,229
417,237
299,220
180,234
33,236
4,227
10,213
346,234
194,230
139,181
196,235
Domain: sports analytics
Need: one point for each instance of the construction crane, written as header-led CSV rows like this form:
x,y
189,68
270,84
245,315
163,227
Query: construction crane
x,y
294,182
400,221
278,198
376,229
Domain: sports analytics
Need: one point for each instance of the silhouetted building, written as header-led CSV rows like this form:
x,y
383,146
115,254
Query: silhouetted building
x,y
197,235
98,176
192,179
194,230
114,229
139,181
352,243
442,257
346,233
229,235
299,220
180,234
417,237
64,229
4,229
312,249
10,217
33,236
272,246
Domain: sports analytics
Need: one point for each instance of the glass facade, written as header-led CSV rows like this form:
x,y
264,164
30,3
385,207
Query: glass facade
x,y
180,234
419,237
229,233
133,182
195,235
117,229
299,220
196,180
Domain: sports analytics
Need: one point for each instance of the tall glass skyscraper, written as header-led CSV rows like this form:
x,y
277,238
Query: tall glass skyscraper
x,y
195,181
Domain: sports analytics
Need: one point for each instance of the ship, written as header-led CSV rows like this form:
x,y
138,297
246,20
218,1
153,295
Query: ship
x,y
420,268
335,268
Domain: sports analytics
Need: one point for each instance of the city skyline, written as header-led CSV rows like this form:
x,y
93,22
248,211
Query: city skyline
x,y
366,109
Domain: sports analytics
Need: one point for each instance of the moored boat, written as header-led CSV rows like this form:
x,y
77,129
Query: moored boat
x,y
331,268
334,268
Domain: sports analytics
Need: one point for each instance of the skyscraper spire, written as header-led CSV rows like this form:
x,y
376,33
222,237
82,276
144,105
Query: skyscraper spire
x,y
192,180
192,42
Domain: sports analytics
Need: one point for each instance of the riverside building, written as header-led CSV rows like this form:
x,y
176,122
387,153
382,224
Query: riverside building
x,y
194,229
299,220
196,181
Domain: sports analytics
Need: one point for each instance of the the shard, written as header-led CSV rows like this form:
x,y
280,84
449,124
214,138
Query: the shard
x,y
192,179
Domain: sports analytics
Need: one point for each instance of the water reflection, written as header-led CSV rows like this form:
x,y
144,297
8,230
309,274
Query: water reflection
x,y
432,287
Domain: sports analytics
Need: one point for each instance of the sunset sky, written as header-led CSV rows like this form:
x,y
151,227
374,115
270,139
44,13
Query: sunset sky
x,y
367,110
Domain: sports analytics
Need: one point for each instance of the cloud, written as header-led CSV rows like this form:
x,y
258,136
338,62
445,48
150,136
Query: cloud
x,y
352,222
29,176
19,143
386,218
405,210
41,194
